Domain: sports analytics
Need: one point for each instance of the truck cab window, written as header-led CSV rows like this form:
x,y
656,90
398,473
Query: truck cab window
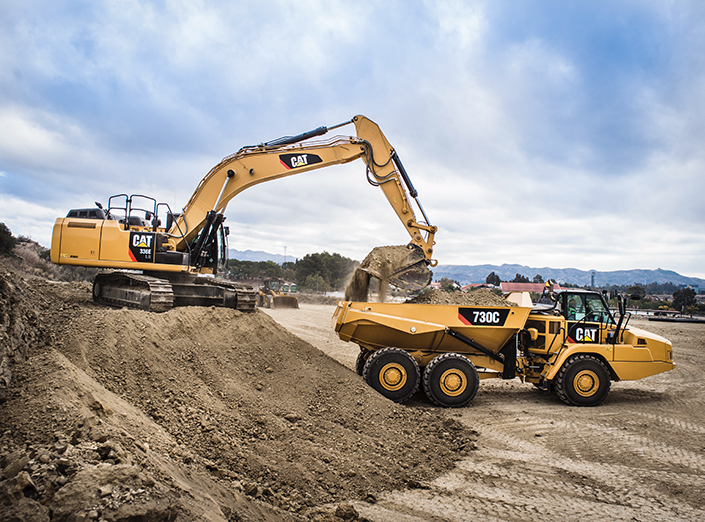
x,y
596,310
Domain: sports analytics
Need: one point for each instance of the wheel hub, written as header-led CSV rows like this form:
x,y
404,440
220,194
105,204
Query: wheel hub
x,y
586,383
393,376
453,382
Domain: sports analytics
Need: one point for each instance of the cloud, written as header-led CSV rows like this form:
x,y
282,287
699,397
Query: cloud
x,y
559,133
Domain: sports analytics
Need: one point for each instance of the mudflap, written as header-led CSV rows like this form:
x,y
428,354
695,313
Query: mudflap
x,y
509,352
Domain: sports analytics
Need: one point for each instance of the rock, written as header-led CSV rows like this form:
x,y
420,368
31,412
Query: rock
x,y
26,509
346,511
98,435
252,490
17,488
15,467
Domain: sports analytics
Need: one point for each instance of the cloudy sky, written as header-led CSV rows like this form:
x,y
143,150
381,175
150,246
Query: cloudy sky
x,y
544,133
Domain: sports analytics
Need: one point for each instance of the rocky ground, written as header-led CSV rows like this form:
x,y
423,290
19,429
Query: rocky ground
x,y
211,414
192,414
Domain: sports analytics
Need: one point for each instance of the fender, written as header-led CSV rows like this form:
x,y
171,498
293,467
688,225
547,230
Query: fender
x,y
604,352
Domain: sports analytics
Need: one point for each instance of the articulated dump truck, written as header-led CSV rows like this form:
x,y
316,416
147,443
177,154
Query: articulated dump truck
x,y
573,345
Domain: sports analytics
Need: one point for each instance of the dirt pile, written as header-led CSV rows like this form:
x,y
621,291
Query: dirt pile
x,y
193,414
481,297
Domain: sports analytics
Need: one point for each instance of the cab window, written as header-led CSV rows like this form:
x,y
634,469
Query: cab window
x,y
596,311
576,308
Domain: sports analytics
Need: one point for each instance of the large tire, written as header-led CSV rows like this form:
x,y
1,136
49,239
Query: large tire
x,y
451,380
583,380
393,373
361,360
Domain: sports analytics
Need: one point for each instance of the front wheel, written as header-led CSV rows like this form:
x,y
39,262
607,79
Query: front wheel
x,y
393,373
583,381
451,380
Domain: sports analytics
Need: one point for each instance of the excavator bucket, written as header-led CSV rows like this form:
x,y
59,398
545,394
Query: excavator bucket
x,y
403,266
285,301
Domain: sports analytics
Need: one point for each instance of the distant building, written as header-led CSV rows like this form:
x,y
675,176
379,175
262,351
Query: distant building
x,y
473,286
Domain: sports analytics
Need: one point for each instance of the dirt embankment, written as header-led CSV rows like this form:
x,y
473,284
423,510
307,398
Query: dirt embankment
x,y
193,414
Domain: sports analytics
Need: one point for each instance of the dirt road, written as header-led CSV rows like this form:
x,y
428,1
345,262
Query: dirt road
x,y
640,456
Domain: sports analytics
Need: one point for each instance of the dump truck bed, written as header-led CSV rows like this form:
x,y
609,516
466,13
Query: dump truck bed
x,y
426,327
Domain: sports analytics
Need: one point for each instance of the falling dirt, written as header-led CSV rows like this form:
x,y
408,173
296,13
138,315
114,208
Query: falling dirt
x,y
357,289
384,263
192,414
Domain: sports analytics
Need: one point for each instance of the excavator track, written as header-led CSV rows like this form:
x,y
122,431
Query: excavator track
x,y
157,293
116,288
246,295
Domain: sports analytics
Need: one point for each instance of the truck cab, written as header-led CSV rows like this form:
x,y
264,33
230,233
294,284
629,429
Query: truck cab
x,y
578,345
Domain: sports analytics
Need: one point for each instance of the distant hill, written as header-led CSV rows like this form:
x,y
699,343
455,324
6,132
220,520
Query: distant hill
x,y
257,255
466,274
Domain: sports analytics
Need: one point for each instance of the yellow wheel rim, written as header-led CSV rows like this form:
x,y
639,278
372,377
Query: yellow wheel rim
x,y
392,376
586,383
453,382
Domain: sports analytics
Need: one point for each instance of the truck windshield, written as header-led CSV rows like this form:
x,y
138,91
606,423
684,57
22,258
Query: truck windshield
x,y
596,311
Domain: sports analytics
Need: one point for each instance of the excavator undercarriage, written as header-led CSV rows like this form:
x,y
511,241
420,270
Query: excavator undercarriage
x,y
159,292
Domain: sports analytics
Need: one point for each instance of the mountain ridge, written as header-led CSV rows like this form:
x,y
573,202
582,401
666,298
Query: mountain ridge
x,y
466,274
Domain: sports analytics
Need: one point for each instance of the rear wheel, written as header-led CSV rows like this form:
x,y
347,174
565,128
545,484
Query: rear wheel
x,y
451,380
393,373
361,360
583,381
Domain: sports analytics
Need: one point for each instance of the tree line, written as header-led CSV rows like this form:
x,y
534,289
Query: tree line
x,y
322,272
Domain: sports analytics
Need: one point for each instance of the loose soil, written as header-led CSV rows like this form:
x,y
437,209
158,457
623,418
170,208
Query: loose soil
x,y
480,297
211,414
382,263
192,414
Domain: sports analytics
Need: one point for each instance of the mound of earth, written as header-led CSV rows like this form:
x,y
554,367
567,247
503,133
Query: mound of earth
x,y
192,414
481,297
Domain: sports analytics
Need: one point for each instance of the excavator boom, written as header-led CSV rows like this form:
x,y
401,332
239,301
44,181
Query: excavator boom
x,y
191,242
288,156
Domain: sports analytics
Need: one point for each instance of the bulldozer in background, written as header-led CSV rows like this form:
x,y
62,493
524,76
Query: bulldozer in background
x,y
274,293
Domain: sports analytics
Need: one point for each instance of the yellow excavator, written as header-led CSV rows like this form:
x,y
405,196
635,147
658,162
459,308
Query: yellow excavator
x,y
154,265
